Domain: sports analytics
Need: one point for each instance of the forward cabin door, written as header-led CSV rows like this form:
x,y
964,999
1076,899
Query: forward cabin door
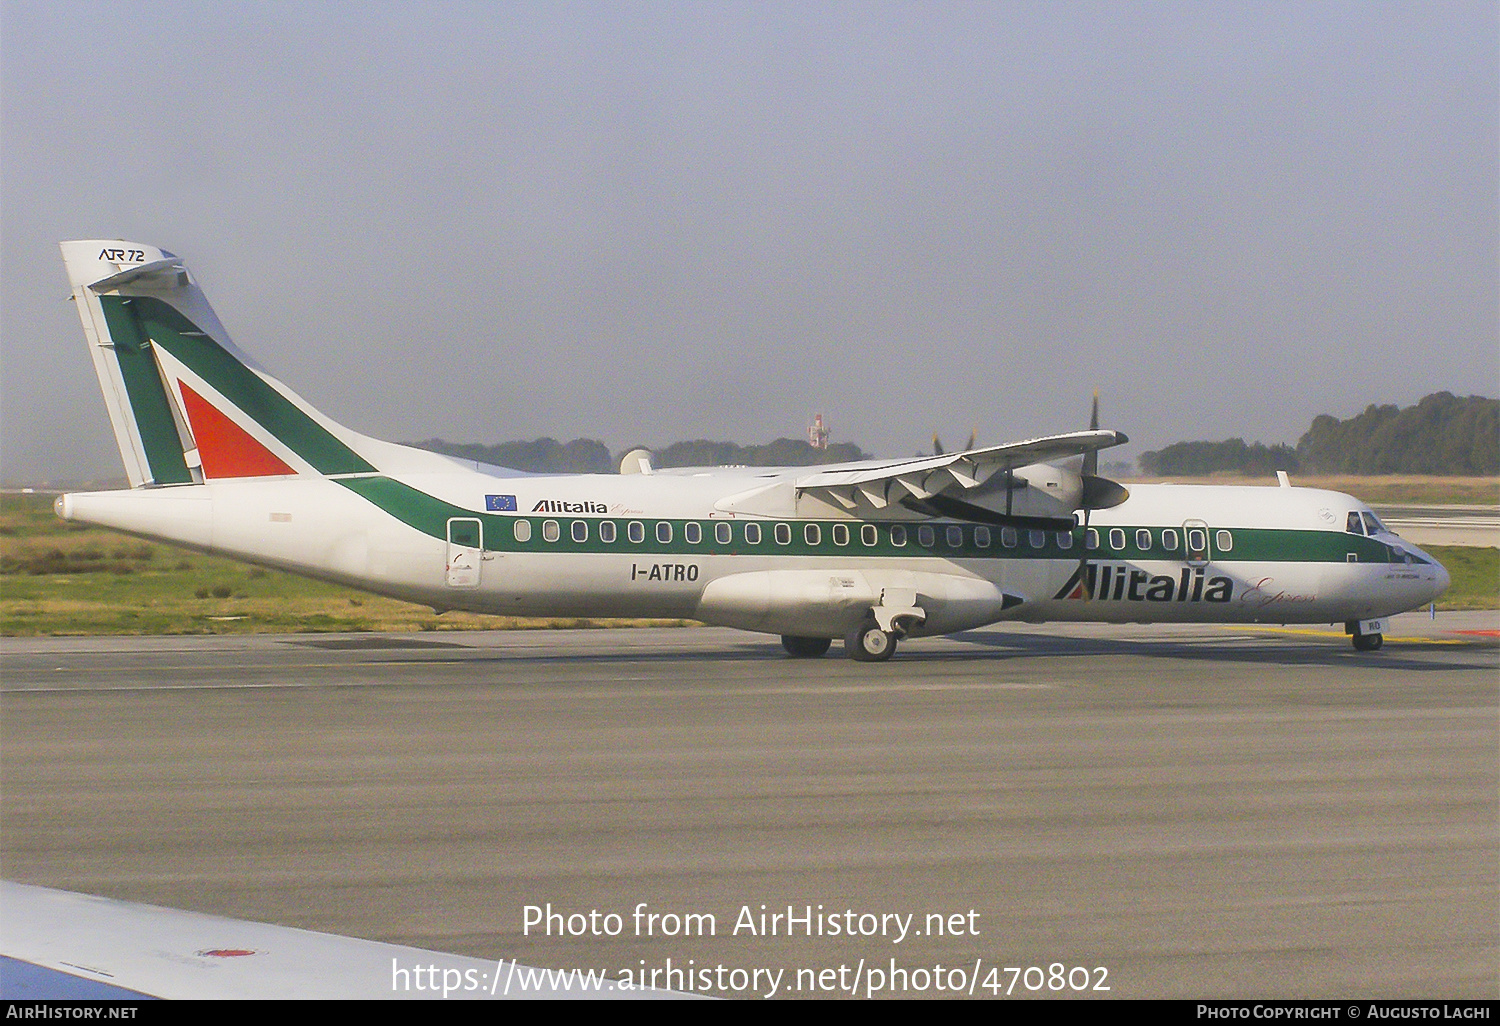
x,y
465,552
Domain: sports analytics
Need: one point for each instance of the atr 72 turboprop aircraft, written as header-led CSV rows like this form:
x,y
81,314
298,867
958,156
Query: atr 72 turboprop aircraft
x,y
224,458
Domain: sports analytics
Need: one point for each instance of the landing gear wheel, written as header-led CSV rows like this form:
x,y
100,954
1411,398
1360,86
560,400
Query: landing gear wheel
x,y
1368,642
805,648
867,643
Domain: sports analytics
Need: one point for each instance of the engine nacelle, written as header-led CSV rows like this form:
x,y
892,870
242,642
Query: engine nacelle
x,y
830,603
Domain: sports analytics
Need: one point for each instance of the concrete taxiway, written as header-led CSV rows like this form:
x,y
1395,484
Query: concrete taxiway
x,y
1195,811
1444,525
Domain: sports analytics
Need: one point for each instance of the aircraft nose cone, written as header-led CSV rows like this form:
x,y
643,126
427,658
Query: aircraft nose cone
x,y
1440,585
1437,578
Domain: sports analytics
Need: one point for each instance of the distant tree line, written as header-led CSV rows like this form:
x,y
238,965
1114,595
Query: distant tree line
x,y
590,456
784,452
1442,434
1231,455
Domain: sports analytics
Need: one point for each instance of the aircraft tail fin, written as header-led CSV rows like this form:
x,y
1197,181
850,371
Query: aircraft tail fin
x,y
186,404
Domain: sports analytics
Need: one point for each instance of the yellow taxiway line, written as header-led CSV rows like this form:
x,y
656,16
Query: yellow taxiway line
x,y
1258,628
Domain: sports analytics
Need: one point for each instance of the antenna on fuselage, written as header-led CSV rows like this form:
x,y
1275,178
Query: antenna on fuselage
x,y
636,461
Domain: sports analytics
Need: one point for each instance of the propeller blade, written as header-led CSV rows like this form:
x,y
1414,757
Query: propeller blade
x,y
1091,458
1097,492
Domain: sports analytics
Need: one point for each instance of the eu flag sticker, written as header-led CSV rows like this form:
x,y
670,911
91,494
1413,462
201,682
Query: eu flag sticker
x,y
500,503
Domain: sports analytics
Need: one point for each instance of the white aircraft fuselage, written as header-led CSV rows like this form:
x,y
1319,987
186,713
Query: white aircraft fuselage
x,y
225,459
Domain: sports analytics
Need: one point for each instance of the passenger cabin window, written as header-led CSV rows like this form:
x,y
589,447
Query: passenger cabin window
x,y
955,537
1091,538
982,537
636,531
1116,538
692,532
812,534
1353,525
1197,544
663,532
550,531
1224,541
783,534
522,530
1065,539
723,533
607,531
869,535
841,534
926,536
1008,537
752,534
1143,538
1036,539
1169,540
580,530
898,535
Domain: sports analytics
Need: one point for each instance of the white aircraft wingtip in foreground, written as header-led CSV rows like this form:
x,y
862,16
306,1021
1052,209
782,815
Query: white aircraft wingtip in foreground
x,y
223,457
62,946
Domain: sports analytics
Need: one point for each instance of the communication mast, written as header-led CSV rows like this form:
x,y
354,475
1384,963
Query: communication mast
x,y
817,434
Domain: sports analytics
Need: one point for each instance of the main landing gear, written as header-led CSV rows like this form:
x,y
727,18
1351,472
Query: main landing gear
x,y
1365,634
867,643
805,648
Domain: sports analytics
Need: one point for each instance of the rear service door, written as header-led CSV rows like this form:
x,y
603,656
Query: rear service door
x,y
465,552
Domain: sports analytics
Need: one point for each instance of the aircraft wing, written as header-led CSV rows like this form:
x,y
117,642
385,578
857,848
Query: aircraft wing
x,y
923,477
60,945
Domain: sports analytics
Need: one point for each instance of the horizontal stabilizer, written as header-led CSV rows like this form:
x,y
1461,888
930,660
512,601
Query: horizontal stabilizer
x,y
165,273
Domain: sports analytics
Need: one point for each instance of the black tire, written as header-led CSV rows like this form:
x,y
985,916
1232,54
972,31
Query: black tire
x,y
867,643
1368,642
805,648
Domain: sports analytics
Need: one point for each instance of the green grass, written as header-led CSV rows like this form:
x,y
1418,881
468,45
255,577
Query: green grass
x,y
1475,573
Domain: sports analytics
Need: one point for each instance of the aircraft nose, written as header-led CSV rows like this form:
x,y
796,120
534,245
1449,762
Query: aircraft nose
x,y
1443,580
1439,579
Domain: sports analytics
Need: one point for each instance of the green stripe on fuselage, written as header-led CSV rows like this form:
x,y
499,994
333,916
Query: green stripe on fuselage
x,y
162,324
430,515
415,508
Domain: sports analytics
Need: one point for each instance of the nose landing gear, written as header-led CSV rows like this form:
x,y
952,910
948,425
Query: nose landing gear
x,y
1366,634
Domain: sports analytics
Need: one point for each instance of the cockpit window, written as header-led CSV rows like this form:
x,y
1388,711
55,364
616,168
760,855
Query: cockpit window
x,y
1353,525
1372,526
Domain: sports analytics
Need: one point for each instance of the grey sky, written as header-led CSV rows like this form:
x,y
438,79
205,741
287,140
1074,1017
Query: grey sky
x,y
645,223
